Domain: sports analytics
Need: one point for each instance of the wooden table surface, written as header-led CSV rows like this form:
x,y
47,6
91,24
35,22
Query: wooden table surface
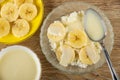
x,y
112,9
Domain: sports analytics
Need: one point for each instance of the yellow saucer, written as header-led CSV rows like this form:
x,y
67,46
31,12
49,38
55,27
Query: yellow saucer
x,y
34,25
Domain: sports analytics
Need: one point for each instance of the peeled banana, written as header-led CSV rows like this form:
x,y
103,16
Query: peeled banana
x,y
77,38
9,11
56,31
4,27
20,28
19,2
28,11
68,55
83,57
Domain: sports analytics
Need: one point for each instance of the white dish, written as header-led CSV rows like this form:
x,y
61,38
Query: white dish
x,y
27,51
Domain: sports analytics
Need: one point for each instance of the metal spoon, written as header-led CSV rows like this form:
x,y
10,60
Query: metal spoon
x,y
112,70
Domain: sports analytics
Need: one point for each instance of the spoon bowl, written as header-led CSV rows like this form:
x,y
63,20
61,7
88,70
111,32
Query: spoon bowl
x,y
90,14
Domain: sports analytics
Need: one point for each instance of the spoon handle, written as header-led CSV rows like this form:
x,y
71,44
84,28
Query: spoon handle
x,y
112,70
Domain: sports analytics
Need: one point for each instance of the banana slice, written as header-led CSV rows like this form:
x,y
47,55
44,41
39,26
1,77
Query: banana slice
x,y
68,55
92,53
4,27
58,54
98,47
20,28
19,2
28,11
84,58
9,11
56,31
77,38
75,26
58,51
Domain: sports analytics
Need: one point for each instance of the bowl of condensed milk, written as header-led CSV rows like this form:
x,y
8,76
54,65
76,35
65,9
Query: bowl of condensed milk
x,y
19,63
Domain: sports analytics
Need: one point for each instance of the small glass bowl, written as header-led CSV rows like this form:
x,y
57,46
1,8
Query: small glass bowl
x,y
56,14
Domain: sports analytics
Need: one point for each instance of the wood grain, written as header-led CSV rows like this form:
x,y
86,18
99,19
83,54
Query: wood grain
x,y
112,9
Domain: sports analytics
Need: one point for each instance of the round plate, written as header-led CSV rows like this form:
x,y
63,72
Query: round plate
x,y
65,9
34,25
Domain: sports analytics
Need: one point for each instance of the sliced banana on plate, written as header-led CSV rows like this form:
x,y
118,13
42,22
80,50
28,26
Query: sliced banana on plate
x,y
58,51
68,55
19,2
92,53
77,38
83,57
28,11
4,27
9,11
75,26
20,28
56,31
97,47
58,54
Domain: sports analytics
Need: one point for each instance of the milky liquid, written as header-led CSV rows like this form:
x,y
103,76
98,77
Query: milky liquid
x,y
17,65
94,26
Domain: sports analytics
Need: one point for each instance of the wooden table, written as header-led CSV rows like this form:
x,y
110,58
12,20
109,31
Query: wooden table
x,y
112,9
